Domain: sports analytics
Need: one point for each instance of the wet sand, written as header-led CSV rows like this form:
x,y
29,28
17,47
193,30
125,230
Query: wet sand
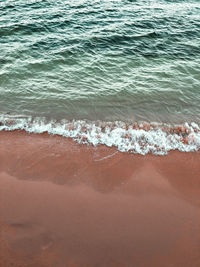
x,y
64,204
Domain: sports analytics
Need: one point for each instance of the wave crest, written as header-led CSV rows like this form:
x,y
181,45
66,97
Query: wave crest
x,y
139,138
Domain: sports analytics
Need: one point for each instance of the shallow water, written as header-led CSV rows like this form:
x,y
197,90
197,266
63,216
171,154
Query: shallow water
x,y
101,60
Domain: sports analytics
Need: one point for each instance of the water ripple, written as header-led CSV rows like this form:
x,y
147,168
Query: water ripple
x,y
101,59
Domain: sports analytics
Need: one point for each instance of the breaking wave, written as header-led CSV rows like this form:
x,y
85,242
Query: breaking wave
x,y
138,138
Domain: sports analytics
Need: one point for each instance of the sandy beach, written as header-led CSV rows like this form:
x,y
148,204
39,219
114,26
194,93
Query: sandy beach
x,y
65,204
100,133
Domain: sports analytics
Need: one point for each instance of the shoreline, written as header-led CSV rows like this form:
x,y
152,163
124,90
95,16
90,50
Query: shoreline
x,y
69,204
137,138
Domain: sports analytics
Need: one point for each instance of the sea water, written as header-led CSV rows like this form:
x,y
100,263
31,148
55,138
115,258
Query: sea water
x,y
103,71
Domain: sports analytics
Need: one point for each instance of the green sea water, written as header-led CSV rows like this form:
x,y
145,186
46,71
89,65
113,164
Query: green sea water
x,y
101,59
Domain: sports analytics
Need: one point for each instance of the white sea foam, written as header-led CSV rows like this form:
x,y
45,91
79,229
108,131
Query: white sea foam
x,y
135,138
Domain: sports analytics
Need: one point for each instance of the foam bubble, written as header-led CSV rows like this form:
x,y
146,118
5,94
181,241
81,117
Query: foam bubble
x,y
137,138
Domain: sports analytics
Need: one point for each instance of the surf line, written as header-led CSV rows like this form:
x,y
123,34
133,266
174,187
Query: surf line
x,y
106,157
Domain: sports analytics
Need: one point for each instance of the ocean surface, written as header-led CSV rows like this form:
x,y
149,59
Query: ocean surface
x,y
116,72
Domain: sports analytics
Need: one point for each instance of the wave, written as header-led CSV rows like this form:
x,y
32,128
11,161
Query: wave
x,y
138,138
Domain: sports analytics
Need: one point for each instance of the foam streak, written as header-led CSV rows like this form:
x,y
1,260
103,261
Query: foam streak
x,y
135,138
